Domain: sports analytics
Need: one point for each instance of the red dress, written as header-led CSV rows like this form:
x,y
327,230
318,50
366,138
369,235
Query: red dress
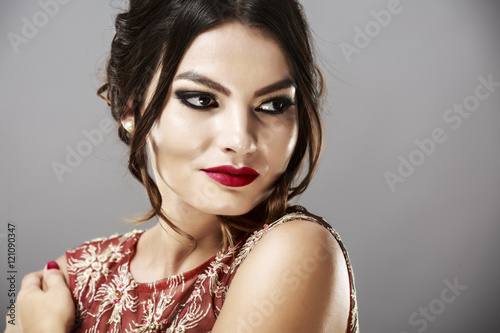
x,y
108,299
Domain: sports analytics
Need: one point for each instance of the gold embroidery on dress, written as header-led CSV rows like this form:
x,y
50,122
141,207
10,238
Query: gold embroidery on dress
x,y
92,267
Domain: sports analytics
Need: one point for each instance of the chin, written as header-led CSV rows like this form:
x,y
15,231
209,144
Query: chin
x,y
231,207
231,210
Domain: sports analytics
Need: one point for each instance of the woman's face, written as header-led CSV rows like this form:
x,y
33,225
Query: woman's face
x,y
232,103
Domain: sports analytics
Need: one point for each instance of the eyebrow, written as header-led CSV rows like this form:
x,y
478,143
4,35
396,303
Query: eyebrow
x,y
202,79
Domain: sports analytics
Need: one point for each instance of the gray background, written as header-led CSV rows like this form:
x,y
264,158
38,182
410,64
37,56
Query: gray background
x,y
441,224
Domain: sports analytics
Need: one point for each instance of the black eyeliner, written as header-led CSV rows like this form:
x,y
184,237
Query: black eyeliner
x,y
183,95
286,100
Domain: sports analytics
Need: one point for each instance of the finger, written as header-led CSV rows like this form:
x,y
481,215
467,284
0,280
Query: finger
x,y
51,265
53,277
32,281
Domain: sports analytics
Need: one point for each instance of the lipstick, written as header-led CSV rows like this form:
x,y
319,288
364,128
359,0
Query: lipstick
x,y
228,175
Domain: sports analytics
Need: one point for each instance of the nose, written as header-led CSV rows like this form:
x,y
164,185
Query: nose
x,y
237,131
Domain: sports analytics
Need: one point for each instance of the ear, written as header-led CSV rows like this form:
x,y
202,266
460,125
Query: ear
x,y
127,119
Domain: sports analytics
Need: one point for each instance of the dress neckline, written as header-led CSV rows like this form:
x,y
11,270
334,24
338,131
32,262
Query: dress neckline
x,y
164,283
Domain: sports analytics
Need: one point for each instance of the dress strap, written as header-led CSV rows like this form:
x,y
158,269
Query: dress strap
x,y
298,212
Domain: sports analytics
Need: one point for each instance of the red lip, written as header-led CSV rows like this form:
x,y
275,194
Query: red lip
x,y
233,171
230,176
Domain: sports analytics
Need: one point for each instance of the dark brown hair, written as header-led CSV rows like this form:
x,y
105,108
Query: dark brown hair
x,y
154,35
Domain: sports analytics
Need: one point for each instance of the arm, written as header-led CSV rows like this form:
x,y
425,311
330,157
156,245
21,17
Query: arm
x,y
44,303
294,280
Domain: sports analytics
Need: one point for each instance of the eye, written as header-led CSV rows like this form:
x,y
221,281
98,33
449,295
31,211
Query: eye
x,y
201,101
276,106
197,100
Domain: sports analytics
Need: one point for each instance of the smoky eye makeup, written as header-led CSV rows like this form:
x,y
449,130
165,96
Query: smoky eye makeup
x,y
275,105
197,100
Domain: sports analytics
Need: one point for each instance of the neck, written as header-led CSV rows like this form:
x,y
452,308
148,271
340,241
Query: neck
x,y
162,252
200,233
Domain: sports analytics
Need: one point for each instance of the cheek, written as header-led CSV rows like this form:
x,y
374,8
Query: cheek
x,y
278,141
179,132
170,144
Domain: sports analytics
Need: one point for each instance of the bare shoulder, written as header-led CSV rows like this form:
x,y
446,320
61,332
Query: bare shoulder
x,y
294,280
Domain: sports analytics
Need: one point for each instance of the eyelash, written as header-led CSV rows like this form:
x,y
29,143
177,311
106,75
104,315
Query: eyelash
x,y
183,96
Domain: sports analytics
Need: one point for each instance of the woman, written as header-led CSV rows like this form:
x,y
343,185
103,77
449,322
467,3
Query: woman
x,y
220,100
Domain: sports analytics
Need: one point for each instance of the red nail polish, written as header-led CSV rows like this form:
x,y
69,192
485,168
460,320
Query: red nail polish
x,y
52,265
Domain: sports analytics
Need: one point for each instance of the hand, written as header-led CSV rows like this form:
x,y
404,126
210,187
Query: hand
x,y
44,303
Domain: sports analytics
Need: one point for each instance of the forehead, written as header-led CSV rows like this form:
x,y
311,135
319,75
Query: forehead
x,y
236,55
